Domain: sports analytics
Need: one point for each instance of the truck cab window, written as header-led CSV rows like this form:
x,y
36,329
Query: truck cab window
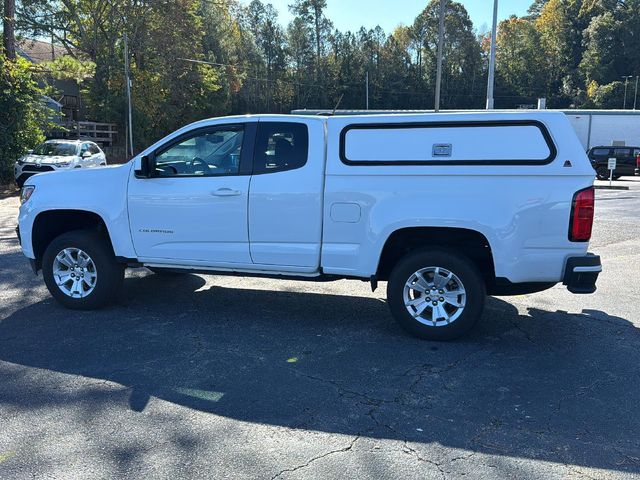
x,y
206,153
280,146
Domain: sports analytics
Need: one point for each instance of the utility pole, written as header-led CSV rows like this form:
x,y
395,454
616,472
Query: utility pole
x,y
127,80
492,57
635,96
440,47
366,79
626,83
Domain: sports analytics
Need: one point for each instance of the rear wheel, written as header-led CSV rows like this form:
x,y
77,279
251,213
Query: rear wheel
x,y
436,294
80,270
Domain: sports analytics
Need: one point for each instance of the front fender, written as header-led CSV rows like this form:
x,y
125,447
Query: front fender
x,y
100,191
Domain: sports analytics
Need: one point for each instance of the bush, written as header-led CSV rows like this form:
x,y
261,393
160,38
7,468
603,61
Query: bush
x,y
23,114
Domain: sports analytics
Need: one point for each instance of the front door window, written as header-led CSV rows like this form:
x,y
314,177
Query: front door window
x,y
206,153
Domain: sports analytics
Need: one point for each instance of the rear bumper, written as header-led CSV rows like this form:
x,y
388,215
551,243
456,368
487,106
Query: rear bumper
x,y
581,273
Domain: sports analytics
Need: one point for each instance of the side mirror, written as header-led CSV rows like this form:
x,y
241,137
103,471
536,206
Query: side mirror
x,y
29,152
86,154
147,167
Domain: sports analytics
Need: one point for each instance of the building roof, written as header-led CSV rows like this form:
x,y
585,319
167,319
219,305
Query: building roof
x,y
38,51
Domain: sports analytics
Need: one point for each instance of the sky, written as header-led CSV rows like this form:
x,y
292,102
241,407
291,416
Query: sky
x,y
352,14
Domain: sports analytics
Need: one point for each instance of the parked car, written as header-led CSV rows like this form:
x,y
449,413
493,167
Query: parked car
x,y
446,208
58,155
627,161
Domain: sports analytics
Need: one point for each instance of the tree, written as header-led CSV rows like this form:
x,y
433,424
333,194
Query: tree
x,y
8,36
520,60
606,96
462,67
310,14
23,114
612,44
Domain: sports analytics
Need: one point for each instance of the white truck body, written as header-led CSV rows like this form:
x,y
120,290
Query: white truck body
x,y
507,180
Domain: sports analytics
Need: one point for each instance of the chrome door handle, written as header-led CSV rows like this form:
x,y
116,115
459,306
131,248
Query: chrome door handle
x,y
226,192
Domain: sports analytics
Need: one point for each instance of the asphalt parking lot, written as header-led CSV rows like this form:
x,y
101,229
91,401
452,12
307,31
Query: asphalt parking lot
x,y
213,377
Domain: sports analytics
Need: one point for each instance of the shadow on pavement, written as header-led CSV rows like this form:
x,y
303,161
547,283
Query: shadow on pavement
x,y
546,385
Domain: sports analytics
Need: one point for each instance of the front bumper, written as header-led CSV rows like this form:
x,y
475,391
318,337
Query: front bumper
x,y
27,170
581,273
32,261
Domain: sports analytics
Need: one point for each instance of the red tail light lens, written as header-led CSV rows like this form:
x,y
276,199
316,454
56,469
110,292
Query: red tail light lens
x,y
638,161
582,215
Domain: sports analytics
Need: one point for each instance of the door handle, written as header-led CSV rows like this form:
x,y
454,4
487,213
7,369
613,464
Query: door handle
x,y
226,192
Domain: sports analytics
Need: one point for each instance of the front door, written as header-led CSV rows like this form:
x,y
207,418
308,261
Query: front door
x,y
193,211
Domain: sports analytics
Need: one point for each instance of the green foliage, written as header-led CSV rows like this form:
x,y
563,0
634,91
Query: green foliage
x,y
23,115
607,96
70,68
520,59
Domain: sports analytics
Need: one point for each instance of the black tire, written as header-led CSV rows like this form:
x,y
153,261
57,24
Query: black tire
x,y
616,177
110,274
602,173
468,274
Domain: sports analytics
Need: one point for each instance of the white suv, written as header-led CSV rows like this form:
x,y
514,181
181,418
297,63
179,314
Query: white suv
x,y
58,154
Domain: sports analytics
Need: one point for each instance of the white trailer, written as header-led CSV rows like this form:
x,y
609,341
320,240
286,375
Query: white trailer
x,y
605,127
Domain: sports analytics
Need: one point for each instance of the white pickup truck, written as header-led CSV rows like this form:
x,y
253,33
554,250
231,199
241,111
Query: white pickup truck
x,y
446,208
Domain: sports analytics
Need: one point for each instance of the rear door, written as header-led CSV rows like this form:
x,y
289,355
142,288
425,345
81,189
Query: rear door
x,y
285,196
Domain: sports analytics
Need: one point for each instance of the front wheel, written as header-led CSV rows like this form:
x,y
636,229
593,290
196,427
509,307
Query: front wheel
x,y
436,294
80,270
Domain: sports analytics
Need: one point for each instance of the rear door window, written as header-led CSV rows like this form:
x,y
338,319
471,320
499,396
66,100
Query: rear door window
x,y
280,146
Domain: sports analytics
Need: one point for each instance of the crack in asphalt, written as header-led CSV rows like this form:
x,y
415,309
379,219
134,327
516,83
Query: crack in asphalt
x,y
343,392
318,457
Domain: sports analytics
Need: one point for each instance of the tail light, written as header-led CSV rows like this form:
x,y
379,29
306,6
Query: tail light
x,y
581,221
638,161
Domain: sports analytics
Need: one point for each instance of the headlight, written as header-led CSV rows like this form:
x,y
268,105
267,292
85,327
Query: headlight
x,y
62,164
20,161
26,192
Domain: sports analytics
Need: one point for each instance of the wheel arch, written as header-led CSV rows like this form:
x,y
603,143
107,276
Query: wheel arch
x,y
471,243
50,224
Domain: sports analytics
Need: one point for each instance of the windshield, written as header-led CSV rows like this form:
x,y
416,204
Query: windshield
x,y
56,149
